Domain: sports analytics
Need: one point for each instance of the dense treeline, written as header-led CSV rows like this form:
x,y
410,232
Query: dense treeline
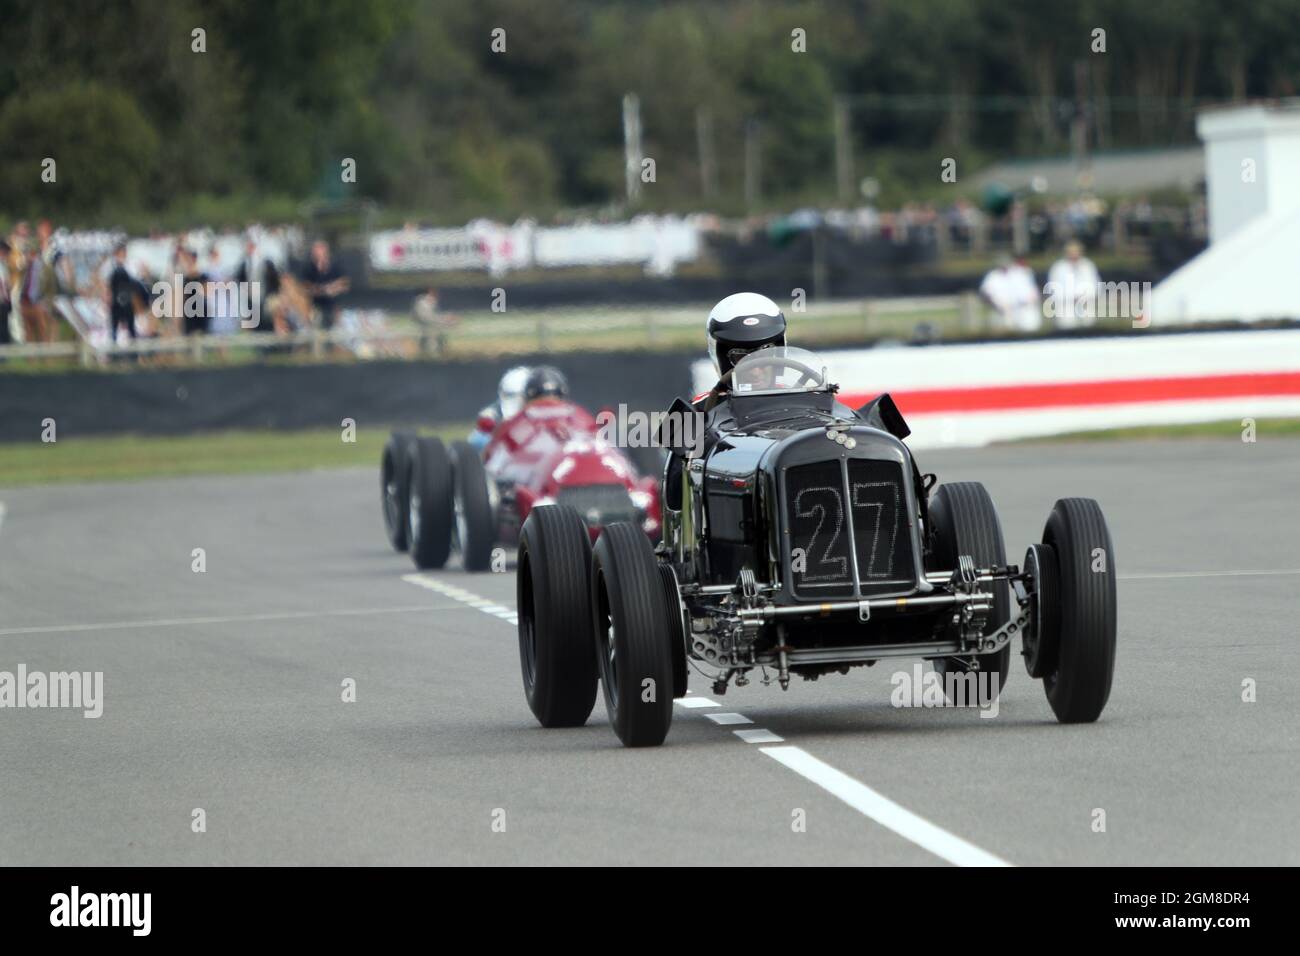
x,y
439,122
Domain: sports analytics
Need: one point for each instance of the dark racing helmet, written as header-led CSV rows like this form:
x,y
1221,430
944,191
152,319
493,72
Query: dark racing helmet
x,y
742,323
545,382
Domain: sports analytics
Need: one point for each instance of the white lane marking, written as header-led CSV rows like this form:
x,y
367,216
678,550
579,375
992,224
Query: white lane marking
x,y
229,619
692,703
729,718
2,513
467,598
756,735
886,812
1208,574
862,798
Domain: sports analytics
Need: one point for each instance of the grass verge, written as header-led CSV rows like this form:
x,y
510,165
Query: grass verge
x,y
1233,429
124,457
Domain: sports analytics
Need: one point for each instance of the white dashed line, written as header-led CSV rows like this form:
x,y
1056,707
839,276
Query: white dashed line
x,y
692,703
756,735
468,598
859,796
2,513
729,718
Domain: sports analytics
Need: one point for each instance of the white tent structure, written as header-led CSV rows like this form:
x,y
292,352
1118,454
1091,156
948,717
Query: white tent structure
x,y
1252,162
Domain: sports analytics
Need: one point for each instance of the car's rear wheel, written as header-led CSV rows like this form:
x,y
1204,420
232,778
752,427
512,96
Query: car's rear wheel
x,y
633,651
553,602
1079,686
966,522
474,525
393,487
429,511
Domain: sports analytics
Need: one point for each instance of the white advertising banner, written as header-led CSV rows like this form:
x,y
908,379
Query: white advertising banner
x,y
427,250
658,243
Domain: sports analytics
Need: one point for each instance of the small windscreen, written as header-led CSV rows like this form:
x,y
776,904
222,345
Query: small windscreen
x,y
779,370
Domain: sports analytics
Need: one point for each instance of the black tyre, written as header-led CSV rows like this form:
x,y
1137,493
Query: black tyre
x,y
474,527
429,513
1080,684
677,628
393,488
633,651
552,590
965,522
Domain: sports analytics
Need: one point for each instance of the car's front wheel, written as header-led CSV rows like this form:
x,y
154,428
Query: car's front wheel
x,y
633,649
394,488
429,510
554,606
1079,685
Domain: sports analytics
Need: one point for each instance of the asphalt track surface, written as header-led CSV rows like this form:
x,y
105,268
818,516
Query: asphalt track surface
x,y
223,692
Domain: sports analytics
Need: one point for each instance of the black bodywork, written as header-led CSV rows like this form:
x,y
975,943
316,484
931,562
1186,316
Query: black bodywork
x,y
800,538
801,504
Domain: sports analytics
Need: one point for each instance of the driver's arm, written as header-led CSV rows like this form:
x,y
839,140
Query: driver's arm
x,y
720,392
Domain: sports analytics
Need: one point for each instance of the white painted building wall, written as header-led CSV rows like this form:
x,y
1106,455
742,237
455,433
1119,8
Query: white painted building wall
x,y
1252,166
1252,163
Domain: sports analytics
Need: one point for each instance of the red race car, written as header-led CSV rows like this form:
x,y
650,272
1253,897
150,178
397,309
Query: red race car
x,y
439,500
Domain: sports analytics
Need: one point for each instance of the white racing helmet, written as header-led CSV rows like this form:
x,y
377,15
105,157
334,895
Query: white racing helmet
x,y
510,392
740,324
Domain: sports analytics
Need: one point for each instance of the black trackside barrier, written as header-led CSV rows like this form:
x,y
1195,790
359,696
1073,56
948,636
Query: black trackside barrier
x,y
270,396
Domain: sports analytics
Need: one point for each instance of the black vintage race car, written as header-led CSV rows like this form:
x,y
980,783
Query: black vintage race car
x,y
801,538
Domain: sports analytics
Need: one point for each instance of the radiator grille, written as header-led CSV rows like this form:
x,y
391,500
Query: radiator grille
x,y
881,533
820,560
835,525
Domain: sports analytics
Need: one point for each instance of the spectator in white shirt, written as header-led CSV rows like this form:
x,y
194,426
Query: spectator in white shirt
x,y
1011,290
223,298
1072,289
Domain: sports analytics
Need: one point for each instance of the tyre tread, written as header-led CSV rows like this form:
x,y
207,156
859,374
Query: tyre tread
x,y
559,554
636,599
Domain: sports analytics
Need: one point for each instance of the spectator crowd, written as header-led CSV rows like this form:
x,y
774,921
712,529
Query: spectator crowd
x,y
190,291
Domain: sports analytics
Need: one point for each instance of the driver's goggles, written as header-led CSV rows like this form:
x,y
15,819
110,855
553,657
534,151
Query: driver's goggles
x,y
735,355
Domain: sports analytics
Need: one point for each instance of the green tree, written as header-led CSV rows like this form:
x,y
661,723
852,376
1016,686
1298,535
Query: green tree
x,y
104,151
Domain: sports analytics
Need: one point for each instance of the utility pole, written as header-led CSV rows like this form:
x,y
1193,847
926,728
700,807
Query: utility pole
x,y
704,141
843,151
632,146
1079,128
